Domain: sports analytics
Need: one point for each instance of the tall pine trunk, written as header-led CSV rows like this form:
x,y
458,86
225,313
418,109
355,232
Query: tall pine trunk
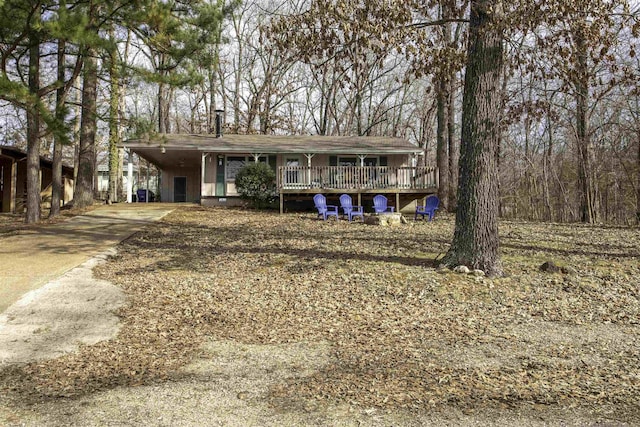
x,y
58,141
86,157
33,133
164,97
114,125
476,241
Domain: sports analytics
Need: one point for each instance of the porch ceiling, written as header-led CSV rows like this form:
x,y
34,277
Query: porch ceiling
x,y
171,157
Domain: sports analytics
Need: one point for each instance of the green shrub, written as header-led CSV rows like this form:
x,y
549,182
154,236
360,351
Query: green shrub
x,y
256,182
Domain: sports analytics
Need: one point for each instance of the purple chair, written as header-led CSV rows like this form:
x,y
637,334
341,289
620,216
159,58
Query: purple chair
x,y
141,195
349,210
430,207
325,210
380,204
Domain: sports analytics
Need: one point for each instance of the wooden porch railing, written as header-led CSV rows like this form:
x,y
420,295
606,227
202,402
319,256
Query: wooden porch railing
x,y
357,178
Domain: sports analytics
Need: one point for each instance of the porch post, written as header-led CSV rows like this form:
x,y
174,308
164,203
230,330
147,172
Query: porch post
x,y
256,157
14,186
309,156
414,165
362,157
129,176
203,164
146,196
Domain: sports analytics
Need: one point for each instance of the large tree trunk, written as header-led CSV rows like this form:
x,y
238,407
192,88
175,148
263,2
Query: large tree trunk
x,y
114,126
83,196
58,136
442,152
33,131
476,241
164,96
454,147
586,179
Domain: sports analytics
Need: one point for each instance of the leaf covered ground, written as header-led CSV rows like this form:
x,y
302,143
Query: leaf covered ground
x,y
403,334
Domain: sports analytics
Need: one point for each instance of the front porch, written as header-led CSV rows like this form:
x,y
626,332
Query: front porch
x,y
403,185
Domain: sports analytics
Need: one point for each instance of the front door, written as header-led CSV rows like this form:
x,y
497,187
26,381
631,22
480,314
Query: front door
x,y
220,177
179,189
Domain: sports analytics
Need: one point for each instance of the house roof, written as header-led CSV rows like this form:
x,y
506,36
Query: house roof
x,y
278,144
187,148
20,155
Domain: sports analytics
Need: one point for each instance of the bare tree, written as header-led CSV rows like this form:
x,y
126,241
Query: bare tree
x,y
476,241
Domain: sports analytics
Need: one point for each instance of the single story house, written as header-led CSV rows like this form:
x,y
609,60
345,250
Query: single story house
x,y
202,168
13,180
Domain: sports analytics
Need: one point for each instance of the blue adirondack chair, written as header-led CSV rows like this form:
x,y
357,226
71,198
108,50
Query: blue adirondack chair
x,y
141,195
380,204
349,210
430,207
325,210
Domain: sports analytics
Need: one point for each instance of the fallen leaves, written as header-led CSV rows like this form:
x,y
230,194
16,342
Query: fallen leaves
x,y
403,334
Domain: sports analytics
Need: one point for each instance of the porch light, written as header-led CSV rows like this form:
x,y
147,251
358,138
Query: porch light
x,y
163,150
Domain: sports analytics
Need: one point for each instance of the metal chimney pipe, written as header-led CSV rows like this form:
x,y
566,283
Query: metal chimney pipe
x,y
219,122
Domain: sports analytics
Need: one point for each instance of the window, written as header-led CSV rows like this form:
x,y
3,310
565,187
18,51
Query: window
x,y
234,164
355,161
348,161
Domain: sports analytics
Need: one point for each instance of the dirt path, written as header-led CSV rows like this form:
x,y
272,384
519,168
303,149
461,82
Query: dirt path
x,y
55,319
38,255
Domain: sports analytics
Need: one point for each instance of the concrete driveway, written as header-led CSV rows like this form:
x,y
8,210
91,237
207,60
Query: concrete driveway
x,y
36,256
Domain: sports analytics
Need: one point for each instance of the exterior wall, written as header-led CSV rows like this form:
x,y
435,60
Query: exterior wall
x,y
47,189
21,186
14,186
206,191
394,160
8,168
223,201
210,169
192,173
67,184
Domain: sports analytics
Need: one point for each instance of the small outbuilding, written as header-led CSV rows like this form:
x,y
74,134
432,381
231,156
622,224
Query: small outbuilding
x,y
13,180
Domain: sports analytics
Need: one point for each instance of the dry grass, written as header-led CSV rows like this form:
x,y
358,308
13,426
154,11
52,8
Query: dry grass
x,y
403,335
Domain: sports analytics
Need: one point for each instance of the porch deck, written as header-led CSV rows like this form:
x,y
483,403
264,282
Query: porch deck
x,y
297,179
411,182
